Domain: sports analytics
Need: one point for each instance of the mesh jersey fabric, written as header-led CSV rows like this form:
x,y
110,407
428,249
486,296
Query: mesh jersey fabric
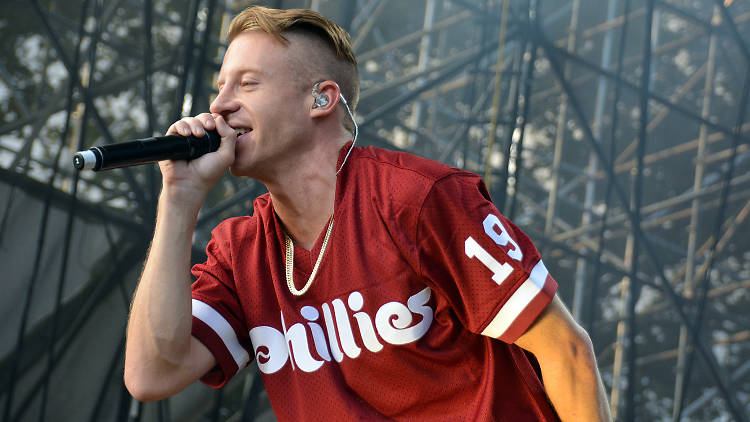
x,y
419,265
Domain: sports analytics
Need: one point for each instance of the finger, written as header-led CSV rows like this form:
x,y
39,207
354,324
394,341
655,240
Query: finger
x,y
180,127
223,127
228,137
207,120
174,129
195,125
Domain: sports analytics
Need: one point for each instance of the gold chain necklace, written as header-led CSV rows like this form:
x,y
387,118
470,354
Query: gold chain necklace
x,y
289,262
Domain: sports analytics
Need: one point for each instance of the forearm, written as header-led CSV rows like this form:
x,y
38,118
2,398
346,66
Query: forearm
x,y
574,385
566,358
159,329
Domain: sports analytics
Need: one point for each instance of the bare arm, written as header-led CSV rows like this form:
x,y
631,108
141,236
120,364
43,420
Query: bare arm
x,y
162,357
568,364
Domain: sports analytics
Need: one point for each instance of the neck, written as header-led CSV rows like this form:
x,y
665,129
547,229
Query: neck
x,y
303,197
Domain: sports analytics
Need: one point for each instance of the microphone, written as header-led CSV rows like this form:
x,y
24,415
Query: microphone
x,y
147,150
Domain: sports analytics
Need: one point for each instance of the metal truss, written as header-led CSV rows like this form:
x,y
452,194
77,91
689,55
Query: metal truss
x,y
613,132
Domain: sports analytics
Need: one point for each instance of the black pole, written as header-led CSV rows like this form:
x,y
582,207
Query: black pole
x,y
199,102
72,211
113,364
528,77
593,305
148,57
502,190
188,39
634,287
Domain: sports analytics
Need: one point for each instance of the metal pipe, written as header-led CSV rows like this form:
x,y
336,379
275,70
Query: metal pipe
x,y
415,119
496,91
188,40
148,98
622,328
514,90
600,251
517,135
683,342
198,102
637,198
560,127
590,190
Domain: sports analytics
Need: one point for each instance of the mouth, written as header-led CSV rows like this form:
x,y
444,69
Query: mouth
x,y
241,132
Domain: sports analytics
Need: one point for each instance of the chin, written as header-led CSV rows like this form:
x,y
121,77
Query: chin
x,y
243,170
238,171
243,164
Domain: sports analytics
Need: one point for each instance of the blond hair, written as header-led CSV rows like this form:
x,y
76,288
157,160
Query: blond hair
x,y
340,67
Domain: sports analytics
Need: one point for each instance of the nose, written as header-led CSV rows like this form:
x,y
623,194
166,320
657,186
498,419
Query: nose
x,y
225,102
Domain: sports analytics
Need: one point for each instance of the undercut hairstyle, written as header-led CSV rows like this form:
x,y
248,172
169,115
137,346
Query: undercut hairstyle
x,y
337,62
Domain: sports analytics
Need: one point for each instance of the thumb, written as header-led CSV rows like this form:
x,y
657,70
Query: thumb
x,y
228,136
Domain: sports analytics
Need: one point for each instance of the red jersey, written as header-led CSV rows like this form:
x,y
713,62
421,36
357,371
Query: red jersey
x,y
422,290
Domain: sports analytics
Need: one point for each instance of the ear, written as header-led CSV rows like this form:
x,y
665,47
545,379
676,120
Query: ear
x,y
324,99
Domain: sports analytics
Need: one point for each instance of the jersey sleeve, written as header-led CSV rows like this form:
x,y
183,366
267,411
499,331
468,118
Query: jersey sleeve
x,y
486,267
217,316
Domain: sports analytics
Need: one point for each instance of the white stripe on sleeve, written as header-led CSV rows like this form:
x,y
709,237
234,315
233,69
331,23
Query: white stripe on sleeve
x,y
539,274
221,327
517,302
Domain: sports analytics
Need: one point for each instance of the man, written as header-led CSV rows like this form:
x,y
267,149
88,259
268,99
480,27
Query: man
x,y
368,284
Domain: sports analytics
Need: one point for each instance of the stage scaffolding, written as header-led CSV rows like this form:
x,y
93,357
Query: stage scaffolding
x,y
613,132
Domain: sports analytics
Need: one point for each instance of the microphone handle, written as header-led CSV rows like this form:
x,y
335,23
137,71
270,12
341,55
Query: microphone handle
x,y
147,150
